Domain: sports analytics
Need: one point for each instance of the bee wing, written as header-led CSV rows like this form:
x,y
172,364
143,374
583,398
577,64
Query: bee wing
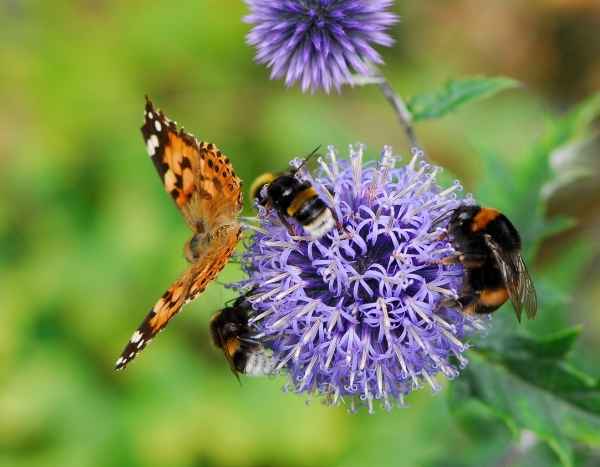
x,y
184,290
517,279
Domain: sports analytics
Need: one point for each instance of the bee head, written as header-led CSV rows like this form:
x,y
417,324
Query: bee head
x,y
229,323
256,189
462,219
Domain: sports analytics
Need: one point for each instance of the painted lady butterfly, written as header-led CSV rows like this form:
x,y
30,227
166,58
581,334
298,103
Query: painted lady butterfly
x,y
208,193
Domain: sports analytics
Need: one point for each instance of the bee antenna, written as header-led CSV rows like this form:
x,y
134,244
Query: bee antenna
x,y
442,217
307,158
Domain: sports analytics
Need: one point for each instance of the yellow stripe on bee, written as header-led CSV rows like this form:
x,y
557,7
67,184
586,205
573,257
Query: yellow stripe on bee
x,y
494,297
231,346
300,199
259,182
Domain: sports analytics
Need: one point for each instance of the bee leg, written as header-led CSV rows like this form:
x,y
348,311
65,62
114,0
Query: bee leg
x,y
453,259
286,224
469,303
464,303
442,236
338,223
470,261
449,303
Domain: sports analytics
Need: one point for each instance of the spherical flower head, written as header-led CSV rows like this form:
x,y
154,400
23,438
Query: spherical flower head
x,y
360,314
319,42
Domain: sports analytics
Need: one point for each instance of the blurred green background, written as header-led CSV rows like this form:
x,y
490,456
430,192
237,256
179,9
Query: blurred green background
x,y
89,239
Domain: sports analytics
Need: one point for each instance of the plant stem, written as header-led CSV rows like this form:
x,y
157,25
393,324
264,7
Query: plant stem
x,y
394,99
402,112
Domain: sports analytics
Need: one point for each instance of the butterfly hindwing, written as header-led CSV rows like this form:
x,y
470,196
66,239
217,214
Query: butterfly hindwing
x,y
166,307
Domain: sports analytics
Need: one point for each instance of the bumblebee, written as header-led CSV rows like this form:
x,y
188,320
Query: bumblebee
x,y
296,199
230,332
489,248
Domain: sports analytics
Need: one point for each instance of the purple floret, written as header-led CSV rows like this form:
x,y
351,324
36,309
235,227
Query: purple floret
x,y
355,316
319,42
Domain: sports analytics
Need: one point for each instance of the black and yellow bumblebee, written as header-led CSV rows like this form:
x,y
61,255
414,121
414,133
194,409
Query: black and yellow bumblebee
x,y
230,332
293,198
488,246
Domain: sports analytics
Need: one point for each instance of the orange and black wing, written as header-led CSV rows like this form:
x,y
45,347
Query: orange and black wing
x,y
167,306
192,283
207,191
197,175
517,279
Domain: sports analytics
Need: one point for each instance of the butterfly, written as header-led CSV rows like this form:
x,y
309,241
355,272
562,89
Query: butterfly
x,y
205,188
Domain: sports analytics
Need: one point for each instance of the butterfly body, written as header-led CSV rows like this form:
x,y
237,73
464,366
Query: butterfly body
x,y
202,183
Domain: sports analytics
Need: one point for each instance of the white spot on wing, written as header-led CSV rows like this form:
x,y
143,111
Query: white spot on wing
x,y
152,144
150,115
157,125
137,335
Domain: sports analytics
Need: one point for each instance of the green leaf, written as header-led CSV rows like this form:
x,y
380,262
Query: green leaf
x,y
527,383
553,347
519,191
535,172
455,94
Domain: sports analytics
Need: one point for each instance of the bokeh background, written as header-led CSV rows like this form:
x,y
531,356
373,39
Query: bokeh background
x,y
89,239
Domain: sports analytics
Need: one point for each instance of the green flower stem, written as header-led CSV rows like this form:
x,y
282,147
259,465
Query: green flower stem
x,y
394,99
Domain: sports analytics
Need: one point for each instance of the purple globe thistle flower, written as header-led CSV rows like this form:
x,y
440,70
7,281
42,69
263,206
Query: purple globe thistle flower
x,y
319,42
355,315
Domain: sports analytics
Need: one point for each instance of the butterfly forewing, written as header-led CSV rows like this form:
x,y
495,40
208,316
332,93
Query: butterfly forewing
x,y
199,178
201,181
